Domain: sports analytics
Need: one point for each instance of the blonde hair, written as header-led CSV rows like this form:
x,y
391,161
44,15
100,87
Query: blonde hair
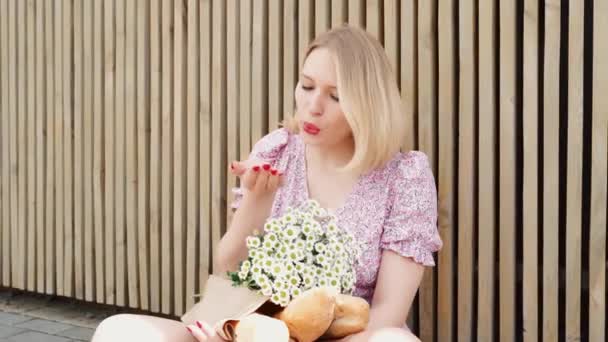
x,y
369,96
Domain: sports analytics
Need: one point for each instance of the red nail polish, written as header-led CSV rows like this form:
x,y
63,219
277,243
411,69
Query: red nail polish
x,y
273,172
189,330
256,168
232,166
266,167
198,324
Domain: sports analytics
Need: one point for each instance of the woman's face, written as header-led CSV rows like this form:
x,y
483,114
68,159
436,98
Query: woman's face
x,y
318,112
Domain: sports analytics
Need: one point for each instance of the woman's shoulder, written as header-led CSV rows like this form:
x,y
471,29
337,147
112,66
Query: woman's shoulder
x,y
410,164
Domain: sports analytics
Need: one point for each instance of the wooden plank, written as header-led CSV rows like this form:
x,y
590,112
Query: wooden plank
x,y
446,176
339,12
427,103
275,70
574,190
178,156
21,117
551,172
99,114
487,298
391,34
290,59
155,155
466,166
143,71
4,136
167,162
59,150
41,142
192,177
508,161
30,135
204,241
322,16
305,28
51,204
12,134
119,156
599,169
259,77
109,127
373,18
80,111
409,75
68,172
530,175
218,109
130,117
233,83
245,78
356,13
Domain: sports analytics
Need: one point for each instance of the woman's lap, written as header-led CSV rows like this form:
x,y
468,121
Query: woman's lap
x,y
127,327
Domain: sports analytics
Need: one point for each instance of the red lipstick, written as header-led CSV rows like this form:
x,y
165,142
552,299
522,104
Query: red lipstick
x,y
311,129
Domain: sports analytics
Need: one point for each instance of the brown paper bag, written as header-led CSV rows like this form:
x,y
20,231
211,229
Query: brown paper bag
x,y
223,306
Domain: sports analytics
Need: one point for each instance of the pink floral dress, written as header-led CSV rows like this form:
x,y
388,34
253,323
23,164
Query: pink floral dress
x,y
393,207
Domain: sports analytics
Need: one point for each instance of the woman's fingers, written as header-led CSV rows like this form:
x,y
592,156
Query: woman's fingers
x,y
262,181
250,178
202,331
273,180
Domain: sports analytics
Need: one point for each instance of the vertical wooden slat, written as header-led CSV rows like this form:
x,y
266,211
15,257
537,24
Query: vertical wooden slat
x,y
275,68
130,132
4,136
259,77
41,142
88,153
391,34
80,112
245,78
218,109
373,18
508,165
21,117
574,170
487,300
356,13
446,176
166,154
178,155
290,56
143,72
155,155
119,156
99,115
599,169
59,151
339,12
192,161
305,27
466,166
32,98
51,205
205,246
427,122
322,16
12,142
550,172
68,172
530,173
409,74
109,130
233,85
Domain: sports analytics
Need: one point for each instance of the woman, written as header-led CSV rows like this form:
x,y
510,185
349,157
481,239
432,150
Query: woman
x,y
341,149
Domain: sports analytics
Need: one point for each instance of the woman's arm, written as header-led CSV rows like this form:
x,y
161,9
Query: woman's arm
x,y
398,282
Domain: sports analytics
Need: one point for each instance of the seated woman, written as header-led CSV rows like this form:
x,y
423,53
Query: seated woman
x,y
342,148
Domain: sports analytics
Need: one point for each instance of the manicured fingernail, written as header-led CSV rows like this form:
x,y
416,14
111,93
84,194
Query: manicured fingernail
x,y
273,172
266,167
232,166
189,330
198,324
256,168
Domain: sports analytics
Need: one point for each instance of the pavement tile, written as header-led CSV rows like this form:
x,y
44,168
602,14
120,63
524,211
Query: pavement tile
x,y
8,318
33,336
78,333
6,331
44,326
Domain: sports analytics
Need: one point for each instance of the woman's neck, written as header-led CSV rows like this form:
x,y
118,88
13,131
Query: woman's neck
x,y
330,157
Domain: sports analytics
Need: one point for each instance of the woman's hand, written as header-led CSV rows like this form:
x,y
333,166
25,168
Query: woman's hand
x,y
201,331
259,180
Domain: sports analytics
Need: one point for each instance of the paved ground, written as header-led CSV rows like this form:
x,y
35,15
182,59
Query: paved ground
x,y
26,317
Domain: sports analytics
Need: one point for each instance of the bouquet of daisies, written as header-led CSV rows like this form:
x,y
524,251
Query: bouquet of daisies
x,y
300,250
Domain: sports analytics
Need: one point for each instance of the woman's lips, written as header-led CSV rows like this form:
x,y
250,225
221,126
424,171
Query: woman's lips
x,y
311,129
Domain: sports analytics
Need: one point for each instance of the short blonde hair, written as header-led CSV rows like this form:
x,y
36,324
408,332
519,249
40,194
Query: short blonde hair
x,y
369,96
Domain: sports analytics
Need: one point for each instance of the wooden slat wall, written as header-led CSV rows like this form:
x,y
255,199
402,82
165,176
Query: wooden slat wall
x,y
118,120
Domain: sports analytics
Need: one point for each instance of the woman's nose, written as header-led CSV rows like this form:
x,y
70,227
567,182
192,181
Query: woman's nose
x,y
316,104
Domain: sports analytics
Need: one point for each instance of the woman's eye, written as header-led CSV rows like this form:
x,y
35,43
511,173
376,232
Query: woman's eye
x,y
306,88
335,98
